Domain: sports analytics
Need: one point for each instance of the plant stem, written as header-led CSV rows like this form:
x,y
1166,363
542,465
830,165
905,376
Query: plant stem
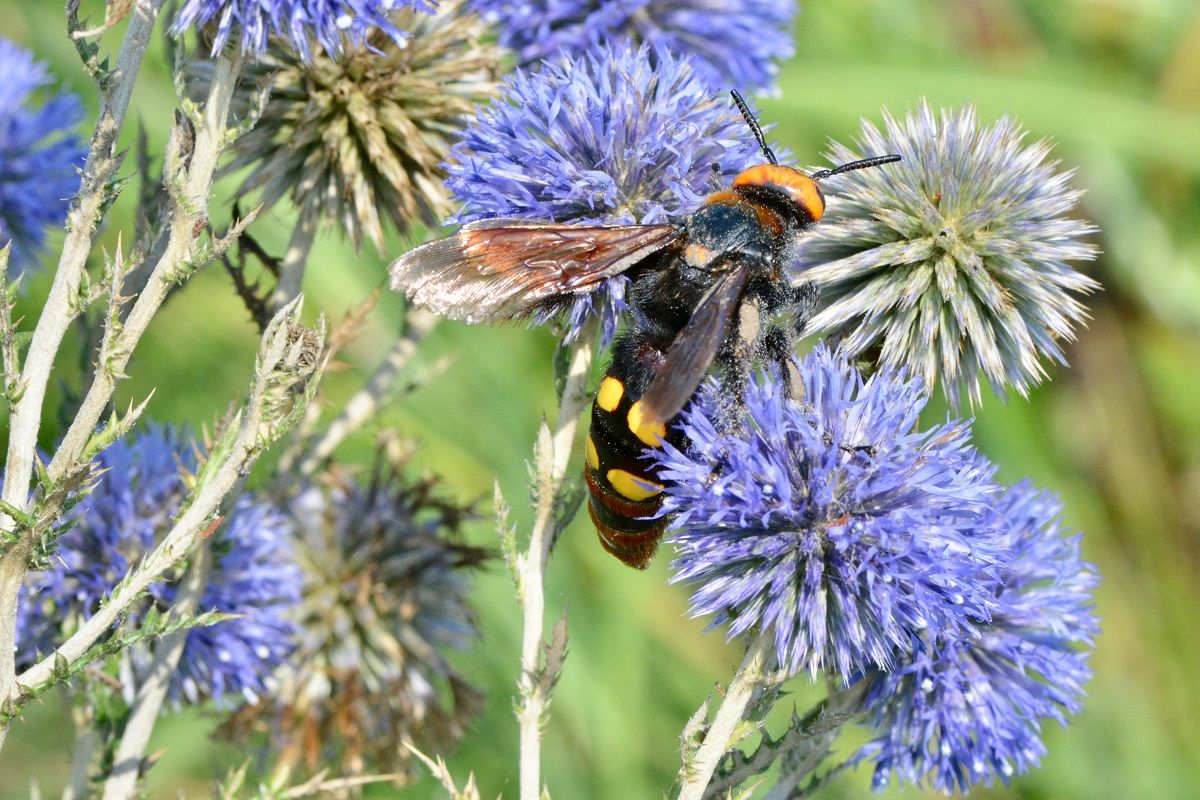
x,y
295,260
232,457
366,401
695,774
86,739
551,468
127,761
82,220
192,206
828,718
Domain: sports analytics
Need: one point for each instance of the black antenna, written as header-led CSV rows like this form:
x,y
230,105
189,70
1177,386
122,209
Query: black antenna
x,y
753,123
862,163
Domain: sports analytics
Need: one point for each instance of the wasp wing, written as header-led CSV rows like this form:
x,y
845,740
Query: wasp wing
x,y
486,273
695,347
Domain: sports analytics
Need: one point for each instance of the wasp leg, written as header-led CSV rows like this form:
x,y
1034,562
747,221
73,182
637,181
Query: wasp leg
x,y
779,340
804,302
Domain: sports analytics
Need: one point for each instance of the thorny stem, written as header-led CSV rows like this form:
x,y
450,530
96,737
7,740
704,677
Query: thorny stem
x,y
366,401
534,691
56,316
829,716
295,260
174,546
210,140
751,676
127,761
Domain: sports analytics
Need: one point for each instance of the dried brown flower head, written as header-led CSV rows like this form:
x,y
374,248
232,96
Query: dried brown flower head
x,y
360,139
385,598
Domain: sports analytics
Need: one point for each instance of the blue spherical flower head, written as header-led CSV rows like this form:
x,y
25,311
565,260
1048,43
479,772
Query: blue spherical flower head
x,y
141,490
735,45
330,23
827,522
39,154
255,577
969,711
612,136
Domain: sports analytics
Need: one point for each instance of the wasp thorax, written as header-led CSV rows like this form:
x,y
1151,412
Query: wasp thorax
x,y
798,187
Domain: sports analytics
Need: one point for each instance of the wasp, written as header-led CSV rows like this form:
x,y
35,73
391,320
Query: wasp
x,y
698,296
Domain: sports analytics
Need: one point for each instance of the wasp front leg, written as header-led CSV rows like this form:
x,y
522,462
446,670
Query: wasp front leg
x,y
779,340
737,358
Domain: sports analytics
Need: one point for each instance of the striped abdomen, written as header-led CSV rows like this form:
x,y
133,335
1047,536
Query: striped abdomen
x,y
625,494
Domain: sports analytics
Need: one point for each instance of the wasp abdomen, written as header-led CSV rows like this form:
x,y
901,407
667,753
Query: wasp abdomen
x,y
625,494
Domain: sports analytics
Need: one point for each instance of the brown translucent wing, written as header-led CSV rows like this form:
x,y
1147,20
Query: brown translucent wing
x,y
490,272
695,347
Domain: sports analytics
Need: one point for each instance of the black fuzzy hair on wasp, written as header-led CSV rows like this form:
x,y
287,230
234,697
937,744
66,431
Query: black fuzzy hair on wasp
x,y
702,293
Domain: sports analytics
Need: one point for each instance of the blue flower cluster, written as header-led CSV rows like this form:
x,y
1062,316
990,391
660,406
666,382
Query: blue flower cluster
x,y
970,710
331,23
253,575
871,550
618,135
39,154
831,522
736,45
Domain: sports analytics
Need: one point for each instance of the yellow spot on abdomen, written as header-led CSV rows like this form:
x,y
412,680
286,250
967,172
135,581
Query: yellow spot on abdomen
x,y
650,431
631,486
609,395
697,255
593,458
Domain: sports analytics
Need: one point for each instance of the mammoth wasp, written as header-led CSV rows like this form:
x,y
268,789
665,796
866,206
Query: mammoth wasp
x,y
698,294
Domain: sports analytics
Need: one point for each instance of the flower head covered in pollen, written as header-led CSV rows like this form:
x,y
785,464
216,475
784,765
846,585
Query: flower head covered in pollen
x,y
970,711
360,139
828,522
385,598
39,154
734,44
953,261
131,508
612,136
331,23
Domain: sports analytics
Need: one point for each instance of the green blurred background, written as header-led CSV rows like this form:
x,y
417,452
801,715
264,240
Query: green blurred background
x,y
1116,83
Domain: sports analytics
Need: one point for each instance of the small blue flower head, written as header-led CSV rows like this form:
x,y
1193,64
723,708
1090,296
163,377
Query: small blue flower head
x,y
39,154
969,711
331,23
827,521
735,45
256,577
617,135
141,490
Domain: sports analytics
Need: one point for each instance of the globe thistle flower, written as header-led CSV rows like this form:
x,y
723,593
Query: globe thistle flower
x,y
735,45
39,154
952,262
143,486
616,135
385,597
829,523
358,140
969,711
330,23
255,577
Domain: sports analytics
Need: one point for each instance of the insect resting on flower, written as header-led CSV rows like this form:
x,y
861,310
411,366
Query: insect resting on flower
x,y
700,293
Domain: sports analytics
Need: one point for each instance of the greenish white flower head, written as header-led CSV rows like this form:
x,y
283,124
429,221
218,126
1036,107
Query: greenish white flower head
x,y
358,141
953,262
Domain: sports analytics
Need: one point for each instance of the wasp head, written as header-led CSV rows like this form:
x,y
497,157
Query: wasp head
x,y
774,179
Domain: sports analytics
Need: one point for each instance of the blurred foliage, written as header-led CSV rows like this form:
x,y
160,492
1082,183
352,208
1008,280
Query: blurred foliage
x,y
1116,83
